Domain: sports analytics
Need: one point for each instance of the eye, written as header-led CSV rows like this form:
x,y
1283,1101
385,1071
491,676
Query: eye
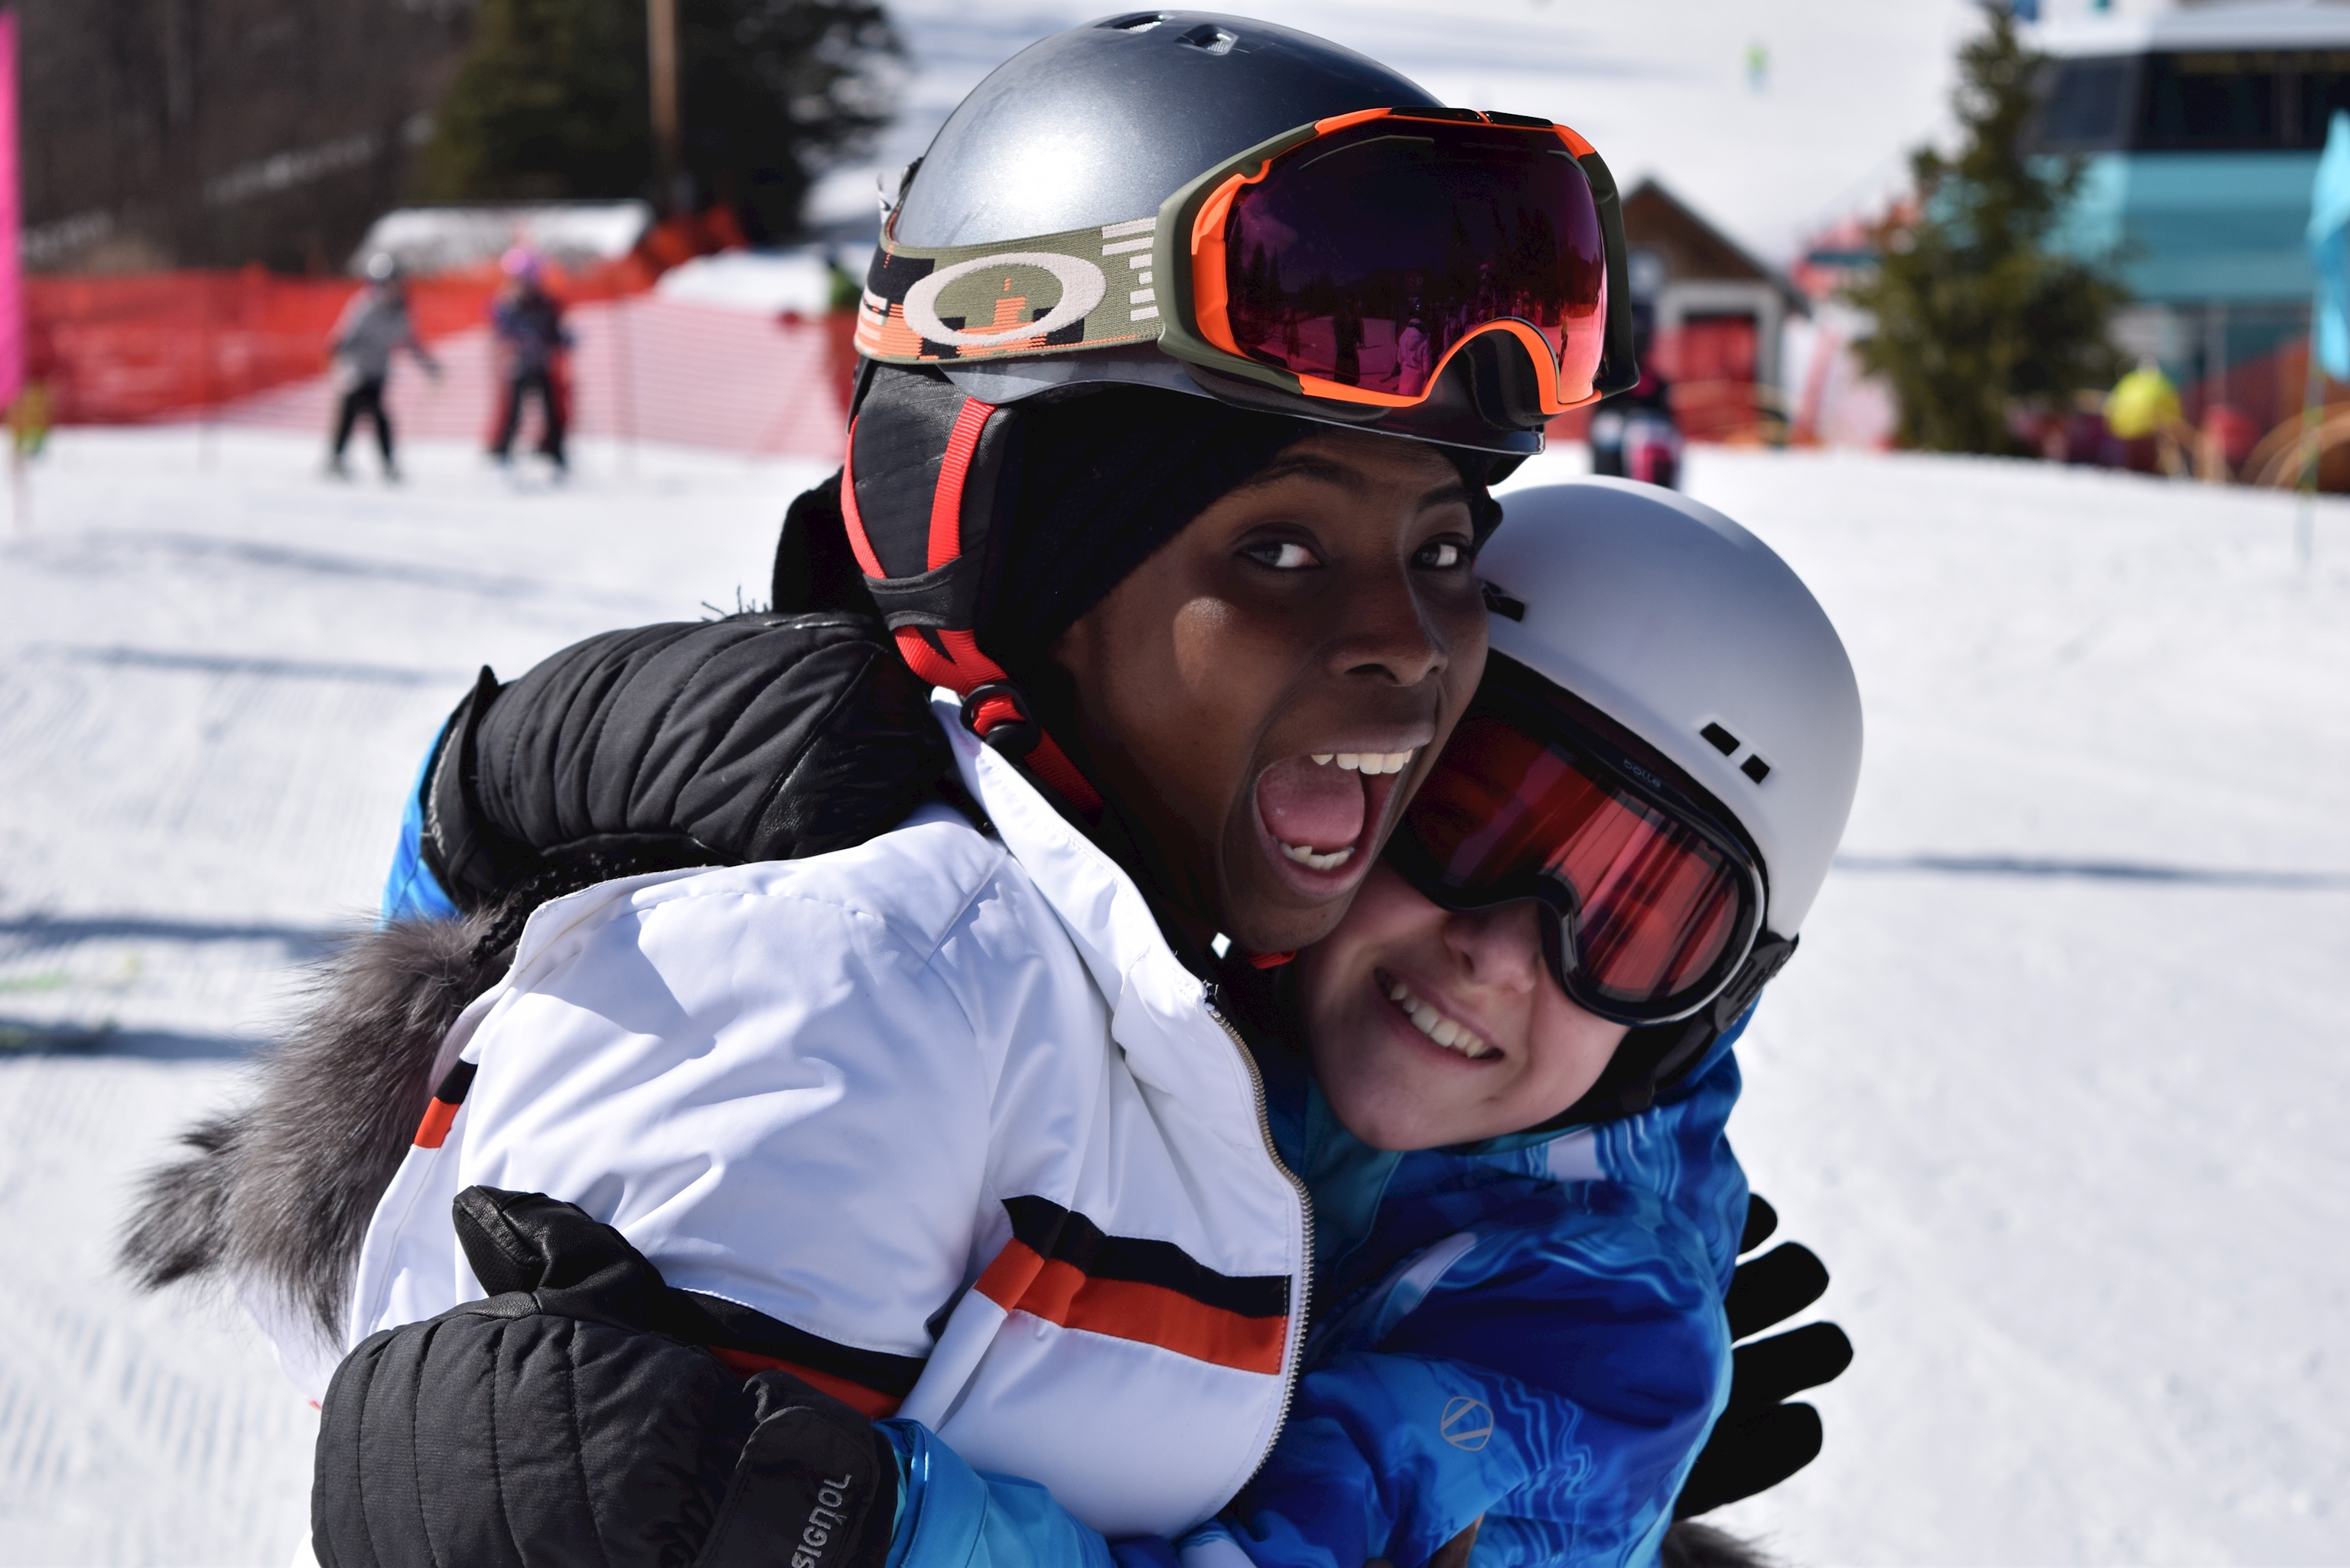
x,y
1441,555
1282,555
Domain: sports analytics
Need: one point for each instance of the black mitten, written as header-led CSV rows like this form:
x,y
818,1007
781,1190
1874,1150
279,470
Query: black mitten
x,y
1762,1439
573,1420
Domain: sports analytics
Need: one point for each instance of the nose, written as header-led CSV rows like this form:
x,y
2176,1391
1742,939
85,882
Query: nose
x,y
1501,948
1390,636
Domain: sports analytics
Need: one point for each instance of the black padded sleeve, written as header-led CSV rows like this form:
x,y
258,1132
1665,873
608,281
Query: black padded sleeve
x,y
759,737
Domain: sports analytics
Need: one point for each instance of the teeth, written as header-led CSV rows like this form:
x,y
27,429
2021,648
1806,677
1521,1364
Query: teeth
x,y
1367,762
1435,1025
1307,857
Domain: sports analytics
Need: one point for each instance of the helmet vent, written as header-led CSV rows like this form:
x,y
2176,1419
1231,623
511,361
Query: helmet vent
x,y
1134,22
1720,739
1210,39
1755,768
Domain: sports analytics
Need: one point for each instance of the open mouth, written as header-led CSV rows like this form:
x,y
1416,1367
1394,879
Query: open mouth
x,y
1424,1017
1319,812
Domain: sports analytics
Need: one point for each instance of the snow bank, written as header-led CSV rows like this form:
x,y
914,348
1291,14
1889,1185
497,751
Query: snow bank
x,y
766,283
570,233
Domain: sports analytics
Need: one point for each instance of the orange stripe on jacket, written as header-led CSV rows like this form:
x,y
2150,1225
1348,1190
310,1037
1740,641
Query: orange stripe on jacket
x,y
1020,1280
433,1130
865,1402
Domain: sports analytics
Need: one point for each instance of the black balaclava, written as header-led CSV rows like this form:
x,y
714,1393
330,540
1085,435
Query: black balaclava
x,y
1106,478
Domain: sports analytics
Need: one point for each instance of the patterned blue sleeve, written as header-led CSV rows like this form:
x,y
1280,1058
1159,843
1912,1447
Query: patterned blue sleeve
x,y
1609,1320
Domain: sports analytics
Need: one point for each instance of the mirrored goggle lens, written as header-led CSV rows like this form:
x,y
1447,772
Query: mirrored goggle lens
x,y
1652,904
1366,257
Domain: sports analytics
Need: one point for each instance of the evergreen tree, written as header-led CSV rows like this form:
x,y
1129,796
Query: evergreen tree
x,y
553,102
1975,310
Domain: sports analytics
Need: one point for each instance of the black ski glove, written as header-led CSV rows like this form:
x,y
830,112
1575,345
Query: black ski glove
x,y
1761,1439
575,1420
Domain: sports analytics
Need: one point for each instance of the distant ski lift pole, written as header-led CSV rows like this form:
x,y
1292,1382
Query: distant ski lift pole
x,y
660,56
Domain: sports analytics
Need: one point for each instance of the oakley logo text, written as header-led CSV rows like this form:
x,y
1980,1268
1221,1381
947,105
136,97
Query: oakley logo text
x,y
1082,289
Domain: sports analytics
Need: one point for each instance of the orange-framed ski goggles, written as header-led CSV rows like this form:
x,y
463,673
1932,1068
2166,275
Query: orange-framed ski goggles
x,y
1350,261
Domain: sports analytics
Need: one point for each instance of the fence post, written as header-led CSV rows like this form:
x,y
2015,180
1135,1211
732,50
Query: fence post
x,y
208,382
624,384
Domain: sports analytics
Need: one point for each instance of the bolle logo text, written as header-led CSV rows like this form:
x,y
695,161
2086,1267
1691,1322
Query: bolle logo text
x,y
1466,1424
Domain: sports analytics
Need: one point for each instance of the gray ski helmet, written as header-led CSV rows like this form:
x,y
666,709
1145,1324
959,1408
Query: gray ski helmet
x,y
1101,124
1105,122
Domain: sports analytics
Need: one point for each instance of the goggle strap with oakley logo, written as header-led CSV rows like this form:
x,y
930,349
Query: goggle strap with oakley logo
x,y
978,302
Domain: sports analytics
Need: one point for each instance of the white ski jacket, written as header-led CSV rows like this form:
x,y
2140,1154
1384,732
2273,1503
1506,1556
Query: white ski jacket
x,y
945,1119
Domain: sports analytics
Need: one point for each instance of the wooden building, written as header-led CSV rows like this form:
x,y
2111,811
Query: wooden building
x,y
1720,312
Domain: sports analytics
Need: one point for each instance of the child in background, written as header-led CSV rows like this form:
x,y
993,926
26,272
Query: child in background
x,y
532,338
373,327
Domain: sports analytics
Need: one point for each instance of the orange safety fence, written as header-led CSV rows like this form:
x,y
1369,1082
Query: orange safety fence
x,y
129,348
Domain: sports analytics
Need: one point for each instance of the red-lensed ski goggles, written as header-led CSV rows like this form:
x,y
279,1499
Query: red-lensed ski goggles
x,y
1349,262
1653,904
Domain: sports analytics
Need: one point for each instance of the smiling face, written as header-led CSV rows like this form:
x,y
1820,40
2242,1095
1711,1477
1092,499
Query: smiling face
x,y
1259,699
1429,1028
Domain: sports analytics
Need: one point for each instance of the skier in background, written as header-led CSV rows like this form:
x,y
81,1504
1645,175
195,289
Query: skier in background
x,y
528,322
373,326
1634,434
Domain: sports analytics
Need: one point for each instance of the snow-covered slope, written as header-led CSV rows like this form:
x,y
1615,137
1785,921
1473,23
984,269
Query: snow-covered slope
x,y
217,674
2054,1086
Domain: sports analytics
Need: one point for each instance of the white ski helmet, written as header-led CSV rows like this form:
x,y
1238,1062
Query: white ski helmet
x,y
1694,635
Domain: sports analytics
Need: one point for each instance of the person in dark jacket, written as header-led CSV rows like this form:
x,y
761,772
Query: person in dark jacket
x,y
531,336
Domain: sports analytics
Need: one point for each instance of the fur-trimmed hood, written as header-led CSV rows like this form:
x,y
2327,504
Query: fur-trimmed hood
x,y
278,1193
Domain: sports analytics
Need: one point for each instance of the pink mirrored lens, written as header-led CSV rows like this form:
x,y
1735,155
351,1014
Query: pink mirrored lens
x,y
1657,903
1363,257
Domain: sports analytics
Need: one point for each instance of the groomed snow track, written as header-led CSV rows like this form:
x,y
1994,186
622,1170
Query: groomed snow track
x,y
2055,1086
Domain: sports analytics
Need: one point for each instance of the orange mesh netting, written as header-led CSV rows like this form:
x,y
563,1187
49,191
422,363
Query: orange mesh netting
x,y
124,349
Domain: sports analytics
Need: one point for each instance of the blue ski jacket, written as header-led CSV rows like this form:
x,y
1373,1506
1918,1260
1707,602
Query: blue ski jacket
x,y
1526,1332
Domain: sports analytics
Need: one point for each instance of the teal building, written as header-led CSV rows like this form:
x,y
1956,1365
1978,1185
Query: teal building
x,y
2200,129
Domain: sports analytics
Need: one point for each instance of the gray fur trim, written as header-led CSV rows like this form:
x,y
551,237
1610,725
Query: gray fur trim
x,y
1688,1545
279,1192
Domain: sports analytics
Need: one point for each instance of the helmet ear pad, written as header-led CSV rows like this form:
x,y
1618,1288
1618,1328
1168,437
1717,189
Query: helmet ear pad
x,y
924,495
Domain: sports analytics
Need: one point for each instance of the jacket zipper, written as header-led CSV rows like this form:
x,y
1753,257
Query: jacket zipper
x,y
1297,1312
